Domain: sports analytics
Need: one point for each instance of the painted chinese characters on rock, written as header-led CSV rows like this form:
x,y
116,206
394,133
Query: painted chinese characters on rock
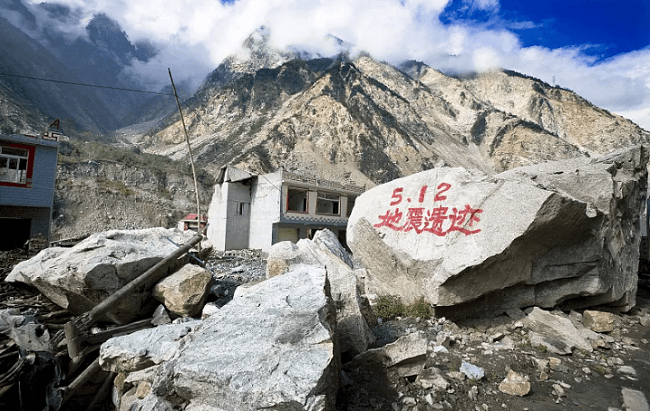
x,y
439,219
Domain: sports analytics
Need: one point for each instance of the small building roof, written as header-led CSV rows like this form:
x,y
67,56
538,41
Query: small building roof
x,y
192,217
231,174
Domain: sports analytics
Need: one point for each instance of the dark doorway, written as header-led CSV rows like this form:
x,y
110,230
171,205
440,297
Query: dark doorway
x,y
15,232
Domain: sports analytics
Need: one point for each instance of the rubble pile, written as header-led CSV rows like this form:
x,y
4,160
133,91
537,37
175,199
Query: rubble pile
x,y
555,269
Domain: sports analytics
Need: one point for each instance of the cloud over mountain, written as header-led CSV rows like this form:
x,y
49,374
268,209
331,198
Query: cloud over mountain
x,y
194,37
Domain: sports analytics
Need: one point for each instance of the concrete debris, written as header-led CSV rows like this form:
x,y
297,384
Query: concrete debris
x,y
540,235
185,292
24,330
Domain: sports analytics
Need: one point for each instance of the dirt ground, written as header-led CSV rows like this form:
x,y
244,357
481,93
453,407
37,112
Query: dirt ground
x,y
588,380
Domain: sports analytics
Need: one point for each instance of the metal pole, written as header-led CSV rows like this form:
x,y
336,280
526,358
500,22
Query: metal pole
x,y
189,148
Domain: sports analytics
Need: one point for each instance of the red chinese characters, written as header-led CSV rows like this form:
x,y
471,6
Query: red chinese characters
x,y
438,220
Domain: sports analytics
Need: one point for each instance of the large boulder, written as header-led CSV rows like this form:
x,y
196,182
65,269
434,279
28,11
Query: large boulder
x,y
565,232
81,277
185,292
272,347
353,311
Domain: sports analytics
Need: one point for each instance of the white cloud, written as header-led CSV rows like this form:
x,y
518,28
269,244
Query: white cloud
x,y
195,36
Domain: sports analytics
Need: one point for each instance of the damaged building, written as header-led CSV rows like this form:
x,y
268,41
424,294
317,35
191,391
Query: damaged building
x,y
27,177
257,211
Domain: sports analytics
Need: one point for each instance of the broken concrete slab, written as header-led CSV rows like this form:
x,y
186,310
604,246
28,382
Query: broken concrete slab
x,y
81,277
185,292
563,232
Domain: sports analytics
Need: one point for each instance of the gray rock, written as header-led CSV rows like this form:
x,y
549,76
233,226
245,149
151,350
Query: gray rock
x,y
145,348
472,371
352,309
271,347
160,316
406,356
81,277
538,235
184,293
432,378
627,370
554,332
634,400
24,331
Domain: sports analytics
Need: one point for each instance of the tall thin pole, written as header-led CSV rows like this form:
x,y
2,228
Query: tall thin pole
x,y
189,148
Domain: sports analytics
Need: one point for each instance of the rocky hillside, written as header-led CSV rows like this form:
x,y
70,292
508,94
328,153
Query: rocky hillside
x,y
367,122
101,187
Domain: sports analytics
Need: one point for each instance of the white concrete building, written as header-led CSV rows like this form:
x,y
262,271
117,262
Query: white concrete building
x,y
257,211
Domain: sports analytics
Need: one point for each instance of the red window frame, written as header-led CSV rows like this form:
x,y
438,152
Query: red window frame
x,y
31,150
306,205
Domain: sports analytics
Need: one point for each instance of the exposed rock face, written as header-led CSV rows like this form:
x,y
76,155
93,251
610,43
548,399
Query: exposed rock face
x,y
121,189
352,310
81,277
367,122
271,347
557,233
184,293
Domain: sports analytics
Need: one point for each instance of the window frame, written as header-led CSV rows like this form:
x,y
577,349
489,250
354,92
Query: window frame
x,y
324,198
240,209
29,166
305,200
351,201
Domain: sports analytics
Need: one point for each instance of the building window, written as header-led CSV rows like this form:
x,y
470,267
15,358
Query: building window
x,y
240,209
328,204
297,200
14,165
351,201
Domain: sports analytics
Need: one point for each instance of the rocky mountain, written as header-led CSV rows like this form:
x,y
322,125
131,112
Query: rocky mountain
x,y
38,51
366,122
101,187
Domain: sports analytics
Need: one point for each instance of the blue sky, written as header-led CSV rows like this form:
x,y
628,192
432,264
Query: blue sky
x,y
597,48
608,27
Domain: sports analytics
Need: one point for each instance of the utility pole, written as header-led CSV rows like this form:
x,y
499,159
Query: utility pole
x,y
189,148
